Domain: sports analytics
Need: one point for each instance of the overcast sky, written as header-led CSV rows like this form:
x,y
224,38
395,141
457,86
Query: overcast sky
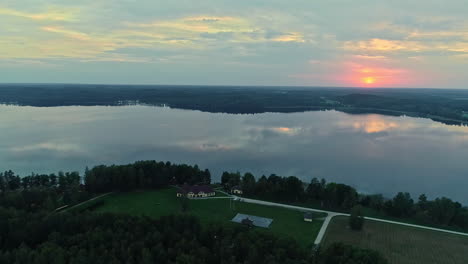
x,y
398,43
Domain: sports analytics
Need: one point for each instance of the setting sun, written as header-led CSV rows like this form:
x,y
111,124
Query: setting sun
x,y
368,80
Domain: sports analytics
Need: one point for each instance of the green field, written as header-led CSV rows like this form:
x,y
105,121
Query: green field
x,y
286,223
401,244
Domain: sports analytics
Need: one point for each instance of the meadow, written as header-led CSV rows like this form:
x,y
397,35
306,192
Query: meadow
x,y
286,222
401,244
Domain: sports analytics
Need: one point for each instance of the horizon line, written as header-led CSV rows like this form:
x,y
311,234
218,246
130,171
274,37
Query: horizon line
x,y
235,86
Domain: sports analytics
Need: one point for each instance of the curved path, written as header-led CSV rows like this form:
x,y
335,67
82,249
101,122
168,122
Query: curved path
x,y
333,214
87,201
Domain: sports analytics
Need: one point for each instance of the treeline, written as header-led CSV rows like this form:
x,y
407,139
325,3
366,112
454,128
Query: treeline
x,y
423,106
143,175
38,192
104,238
442,212
291,189
9,181
247,100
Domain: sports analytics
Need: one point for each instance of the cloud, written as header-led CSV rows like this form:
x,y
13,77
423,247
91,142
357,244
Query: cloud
x,y
47,146
278,39
51,14
92,44
68,33
369,57
290,37
206,28
199,24
383,45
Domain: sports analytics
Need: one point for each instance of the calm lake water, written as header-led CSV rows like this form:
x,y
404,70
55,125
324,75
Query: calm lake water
x,y
373,153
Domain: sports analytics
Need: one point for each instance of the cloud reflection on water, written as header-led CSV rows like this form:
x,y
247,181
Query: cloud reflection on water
x,y
372,152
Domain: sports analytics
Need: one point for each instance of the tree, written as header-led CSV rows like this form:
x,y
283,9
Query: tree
x,y
402,204
225,178
293,189
62,181
248,183
2,184
53,180
443,210
314,189
356,219
422,202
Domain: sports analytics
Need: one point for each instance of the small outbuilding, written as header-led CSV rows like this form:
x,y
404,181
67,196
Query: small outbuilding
x,y
236,190
308,217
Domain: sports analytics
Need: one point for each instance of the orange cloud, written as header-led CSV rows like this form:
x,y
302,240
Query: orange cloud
x,y
290,37
69,33
52,14
368,57
383,45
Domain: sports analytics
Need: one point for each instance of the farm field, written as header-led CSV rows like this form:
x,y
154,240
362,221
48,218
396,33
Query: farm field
x,y
286,223
401,244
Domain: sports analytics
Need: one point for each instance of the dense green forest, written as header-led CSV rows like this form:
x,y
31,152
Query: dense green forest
x,y
448,106
440,212
28,238
143,175
39,192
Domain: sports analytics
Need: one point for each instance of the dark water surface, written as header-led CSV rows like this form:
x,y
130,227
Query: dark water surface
x,y
374,153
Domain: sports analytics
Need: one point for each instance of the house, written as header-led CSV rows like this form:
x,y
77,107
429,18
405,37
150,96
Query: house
x,y
236,190
308,217
195,191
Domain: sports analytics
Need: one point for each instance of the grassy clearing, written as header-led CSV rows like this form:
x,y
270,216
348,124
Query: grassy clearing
x,y
286,223
220,194
401,244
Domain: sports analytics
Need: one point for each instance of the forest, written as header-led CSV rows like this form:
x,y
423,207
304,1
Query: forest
x,y
443,105
143,175
440,212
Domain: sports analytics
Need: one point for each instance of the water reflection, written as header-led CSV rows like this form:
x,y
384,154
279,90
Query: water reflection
x,y
372,152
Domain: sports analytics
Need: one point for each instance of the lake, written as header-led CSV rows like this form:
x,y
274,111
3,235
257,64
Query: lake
x,y
373,153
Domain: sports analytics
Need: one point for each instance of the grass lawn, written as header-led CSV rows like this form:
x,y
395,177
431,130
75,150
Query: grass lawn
x,y
401,244
286,223
220,194
369,212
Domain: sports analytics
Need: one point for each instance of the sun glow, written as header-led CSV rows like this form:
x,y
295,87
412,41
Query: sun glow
x,y
368,80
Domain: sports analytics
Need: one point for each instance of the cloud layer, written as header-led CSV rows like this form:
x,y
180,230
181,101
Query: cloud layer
x,y
220,42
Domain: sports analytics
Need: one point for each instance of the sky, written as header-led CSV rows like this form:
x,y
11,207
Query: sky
x,y
350,43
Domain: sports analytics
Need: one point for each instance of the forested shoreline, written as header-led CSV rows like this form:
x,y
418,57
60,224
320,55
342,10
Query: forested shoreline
x,y
437,104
